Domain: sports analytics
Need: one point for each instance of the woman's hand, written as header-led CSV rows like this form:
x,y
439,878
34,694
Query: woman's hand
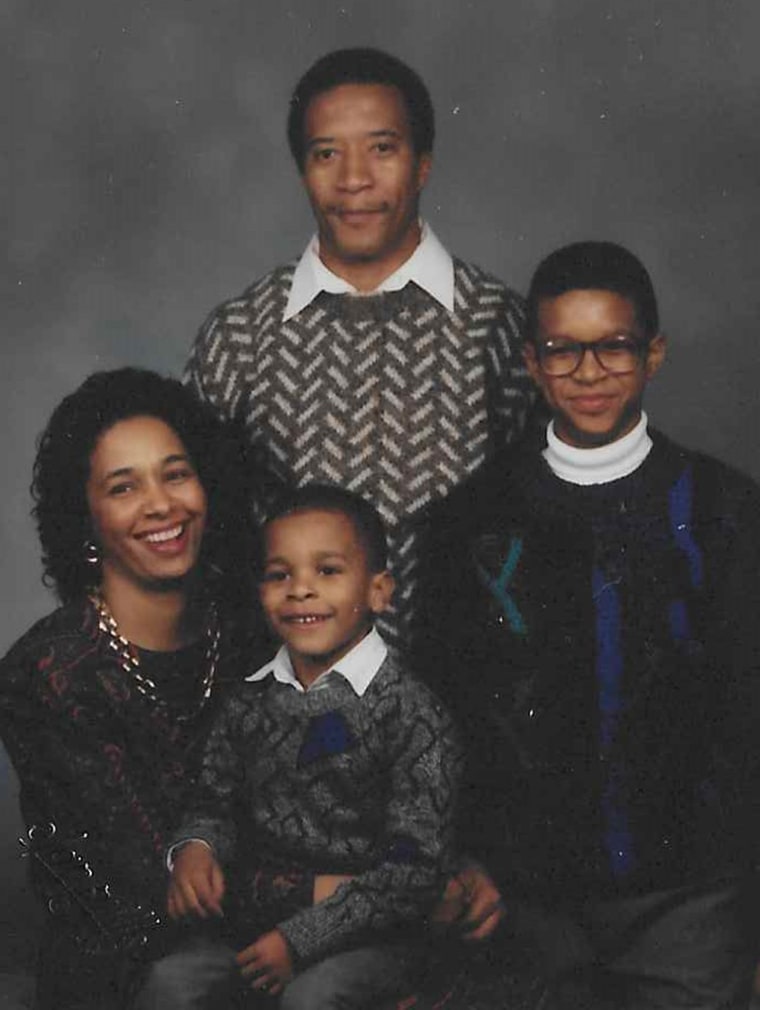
x,y
472,902
326,884
267,963
197,883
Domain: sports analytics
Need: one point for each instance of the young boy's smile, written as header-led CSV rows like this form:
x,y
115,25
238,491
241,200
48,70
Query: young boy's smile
x,y
592,406
317,589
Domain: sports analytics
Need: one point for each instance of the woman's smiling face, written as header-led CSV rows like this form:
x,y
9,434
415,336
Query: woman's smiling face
x,y
147,504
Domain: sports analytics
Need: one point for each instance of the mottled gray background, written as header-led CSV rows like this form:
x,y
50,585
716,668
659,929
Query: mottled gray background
x,y
146,177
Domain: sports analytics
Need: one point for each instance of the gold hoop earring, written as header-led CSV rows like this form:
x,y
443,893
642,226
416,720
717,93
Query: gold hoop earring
x,y
91,553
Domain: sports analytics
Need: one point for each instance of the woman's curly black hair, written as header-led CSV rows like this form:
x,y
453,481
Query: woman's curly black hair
x,y
62,467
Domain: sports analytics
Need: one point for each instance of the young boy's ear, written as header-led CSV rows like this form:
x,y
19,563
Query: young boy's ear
x,y
380,591
655,355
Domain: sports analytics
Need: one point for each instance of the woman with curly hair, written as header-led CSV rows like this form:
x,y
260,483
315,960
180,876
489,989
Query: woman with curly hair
x,y
105,704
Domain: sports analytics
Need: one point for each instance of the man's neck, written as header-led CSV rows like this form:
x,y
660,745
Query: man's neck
x,y
367,275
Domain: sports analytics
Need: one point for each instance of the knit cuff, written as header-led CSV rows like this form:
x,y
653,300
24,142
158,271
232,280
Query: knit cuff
x,y
304,937
171,852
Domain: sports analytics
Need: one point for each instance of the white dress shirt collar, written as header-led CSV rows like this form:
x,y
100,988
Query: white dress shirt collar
x,y
602,464
358,666
430,266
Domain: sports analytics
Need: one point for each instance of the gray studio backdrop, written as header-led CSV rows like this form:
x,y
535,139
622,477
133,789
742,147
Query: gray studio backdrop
x,y
146,178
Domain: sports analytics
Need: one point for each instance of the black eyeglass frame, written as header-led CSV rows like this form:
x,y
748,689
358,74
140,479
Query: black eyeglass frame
x,y
640,348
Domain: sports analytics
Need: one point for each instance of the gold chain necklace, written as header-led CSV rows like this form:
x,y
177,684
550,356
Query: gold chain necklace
x,y
129,657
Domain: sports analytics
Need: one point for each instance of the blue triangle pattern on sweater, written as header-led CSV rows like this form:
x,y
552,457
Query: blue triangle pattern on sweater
x,y
403,849
326,735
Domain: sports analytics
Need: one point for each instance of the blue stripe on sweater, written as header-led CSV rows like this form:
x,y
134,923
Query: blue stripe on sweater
x,y
609,659
609,673
680,628
680,501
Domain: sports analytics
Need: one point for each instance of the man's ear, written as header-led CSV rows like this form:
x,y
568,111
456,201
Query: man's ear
x,y
424,167
655,355
531,362
380,591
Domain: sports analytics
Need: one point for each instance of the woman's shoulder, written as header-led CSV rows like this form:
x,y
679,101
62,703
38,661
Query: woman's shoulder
x,y
61,639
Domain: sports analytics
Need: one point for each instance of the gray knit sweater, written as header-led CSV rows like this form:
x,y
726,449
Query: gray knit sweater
x,y
330,782
389,395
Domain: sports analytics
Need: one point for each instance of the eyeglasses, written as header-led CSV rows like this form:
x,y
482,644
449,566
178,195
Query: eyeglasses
x,y
617,355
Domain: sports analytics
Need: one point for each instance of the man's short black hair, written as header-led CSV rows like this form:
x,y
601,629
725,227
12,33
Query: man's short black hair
x,y
594,266
361,66
331,498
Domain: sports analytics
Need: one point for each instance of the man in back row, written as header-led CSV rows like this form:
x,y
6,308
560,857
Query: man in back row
x,y
377,362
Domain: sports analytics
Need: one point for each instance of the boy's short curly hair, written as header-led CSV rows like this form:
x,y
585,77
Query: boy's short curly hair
x,y
330,498
594,265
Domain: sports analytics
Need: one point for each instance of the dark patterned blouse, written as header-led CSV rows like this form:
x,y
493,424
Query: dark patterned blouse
x,y
104,774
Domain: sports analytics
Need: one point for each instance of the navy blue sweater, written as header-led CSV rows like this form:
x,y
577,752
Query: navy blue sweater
x,y
601,646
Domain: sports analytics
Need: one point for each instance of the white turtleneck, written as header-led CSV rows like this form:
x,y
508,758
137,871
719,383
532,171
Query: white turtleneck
x,y
601,465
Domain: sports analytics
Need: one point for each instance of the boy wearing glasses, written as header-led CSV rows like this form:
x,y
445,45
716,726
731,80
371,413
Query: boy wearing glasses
x,y
593,619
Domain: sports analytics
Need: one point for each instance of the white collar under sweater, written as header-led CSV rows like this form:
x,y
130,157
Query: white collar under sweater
x,y
358,666
601,465
430,266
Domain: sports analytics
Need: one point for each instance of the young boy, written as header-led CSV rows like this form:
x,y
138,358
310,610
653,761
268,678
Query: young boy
x,y
322,823
604,584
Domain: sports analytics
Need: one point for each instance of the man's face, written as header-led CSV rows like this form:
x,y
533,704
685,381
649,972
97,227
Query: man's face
x,y
592,406
363,178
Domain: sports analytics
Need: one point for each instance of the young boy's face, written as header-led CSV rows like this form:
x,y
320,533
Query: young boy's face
x,y
593,406
317,589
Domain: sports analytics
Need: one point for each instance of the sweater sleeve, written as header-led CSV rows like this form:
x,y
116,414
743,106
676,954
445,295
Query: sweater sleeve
x,y
212,368
416,850
91,820
211,815
511,392
736,655
222,368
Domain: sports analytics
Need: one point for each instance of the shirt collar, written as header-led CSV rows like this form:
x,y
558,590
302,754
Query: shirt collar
x,y
600,465
358,666
430,267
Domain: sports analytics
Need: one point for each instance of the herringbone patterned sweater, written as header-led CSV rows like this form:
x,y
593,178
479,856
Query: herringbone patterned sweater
x,y
389,395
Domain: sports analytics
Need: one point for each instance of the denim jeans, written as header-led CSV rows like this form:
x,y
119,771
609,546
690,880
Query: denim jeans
x,y
202,975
